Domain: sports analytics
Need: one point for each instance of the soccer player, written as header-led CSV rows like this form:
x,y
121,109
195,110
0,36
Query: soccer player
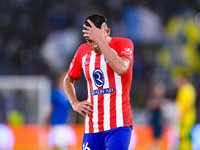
x,y
59,114
186,96
107,65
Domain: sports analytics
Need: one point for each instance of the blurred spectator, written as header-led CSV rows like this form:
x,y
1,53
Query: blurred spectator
x,y
142,25
186,96
181,47
154,105
59,115
59,47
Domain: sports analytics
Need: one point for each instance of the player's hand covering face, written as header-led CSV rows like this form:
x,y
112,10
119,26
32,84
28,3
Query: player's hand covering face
x,y
93,33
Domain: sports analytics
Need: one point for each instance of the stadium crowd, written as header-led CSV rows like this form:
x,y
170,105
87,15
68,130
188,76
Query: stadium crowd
x,y
41,37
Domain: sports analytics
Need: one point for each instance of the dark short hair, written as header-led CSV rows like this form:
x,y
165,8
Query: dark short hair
x,y
97,19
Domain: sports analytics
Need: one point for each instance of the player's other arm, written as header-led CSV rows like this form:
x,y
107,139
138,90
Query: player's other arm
x,y
119,64
83,107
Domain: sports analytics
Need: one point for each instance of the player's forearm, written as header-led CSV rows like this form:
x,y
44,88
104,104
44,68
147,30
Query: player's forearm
x,y
83,107
118,64
70,90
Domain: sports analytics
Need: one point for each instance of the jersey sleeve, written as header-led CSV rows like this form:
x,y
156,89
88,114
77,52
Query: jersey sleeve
x,y
127,49
75,69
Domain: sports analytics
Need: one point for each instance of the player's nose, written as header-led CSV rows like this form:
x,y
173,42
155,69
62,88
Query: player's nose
x,y
94,45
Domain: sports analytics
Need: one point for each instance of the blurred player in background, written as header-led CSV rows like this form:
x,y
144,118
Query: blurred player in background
x,y
187,114
59,115
107,65
154,104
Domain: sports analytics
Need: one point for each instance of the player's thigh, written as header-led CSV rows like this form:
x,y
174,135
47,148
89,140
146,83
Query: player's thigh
x,y
93,141
118,139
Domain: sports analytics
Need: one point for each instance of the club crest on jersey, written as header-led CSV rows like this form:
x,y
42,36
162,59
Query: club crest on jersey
x,y
98,78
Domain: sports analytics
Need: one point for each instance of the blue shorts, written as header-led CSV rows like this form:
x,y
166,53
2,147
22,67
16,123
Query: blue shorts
x,y
114,139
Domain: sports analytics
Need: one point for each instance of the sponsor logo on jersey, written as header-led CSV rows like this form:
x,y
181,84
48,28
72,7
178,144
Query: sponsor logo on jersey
x,y
87,62
102,91
128,51
98,77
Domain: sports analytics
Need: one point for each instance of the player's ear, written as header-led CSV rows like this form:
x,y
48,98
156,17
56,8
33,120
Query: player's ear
x,y
108,31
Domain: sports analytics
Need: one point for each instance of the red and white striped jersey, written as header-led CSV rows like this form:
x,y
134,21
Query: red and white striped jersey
x,y
107,91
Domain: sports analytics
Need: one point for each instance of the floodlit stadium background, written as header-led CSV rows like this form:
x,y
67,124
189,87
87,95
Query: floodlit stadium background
x,y
38,39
